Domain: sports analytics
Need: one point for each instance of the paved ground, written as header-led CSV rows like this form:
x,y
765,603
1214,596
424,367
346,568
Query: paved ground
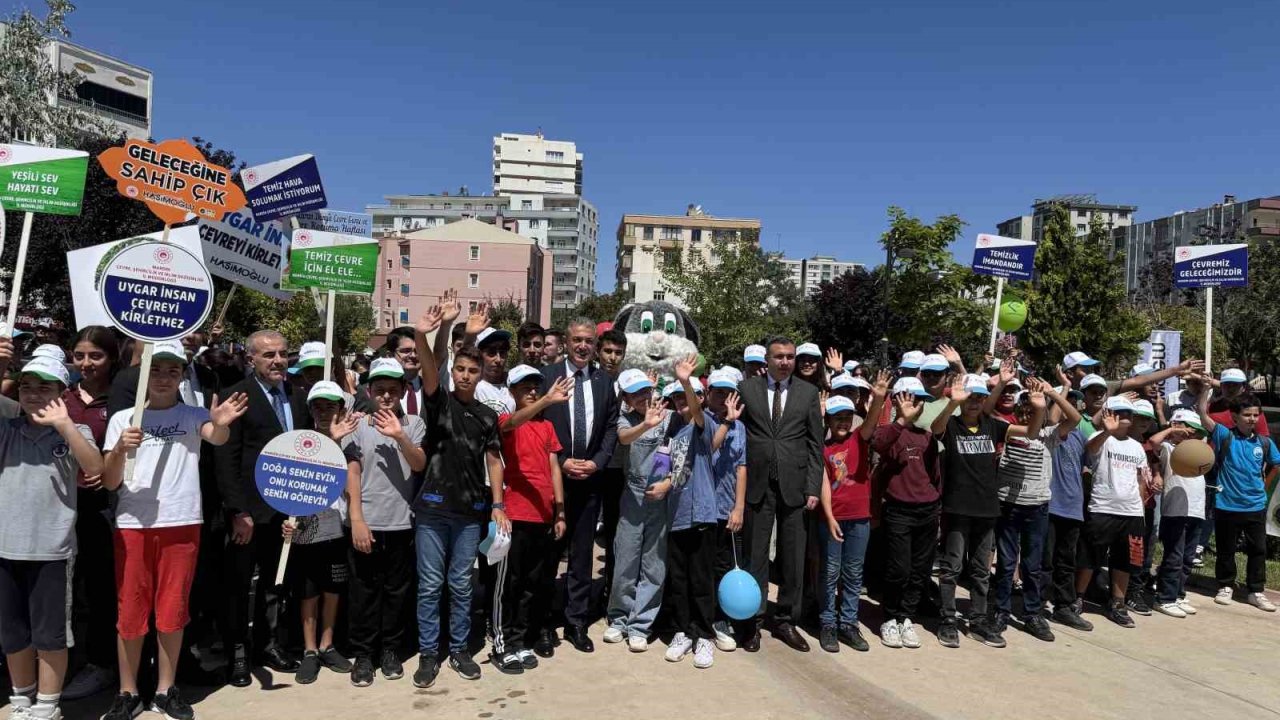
x,y
1217,664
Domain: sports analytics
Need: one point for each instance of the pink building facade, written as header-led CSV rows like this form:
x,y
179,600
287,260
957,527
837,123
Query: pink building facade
x,y
482,262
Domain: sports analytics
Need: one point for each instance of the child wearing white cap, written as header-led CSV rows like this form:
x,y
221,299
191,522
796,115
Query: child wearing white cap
x,y
753,361
40,454
1181,512
729,465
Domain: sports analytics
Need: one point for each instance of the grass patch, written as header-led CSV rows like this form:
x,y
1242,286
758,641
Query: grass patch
x,y
1207,571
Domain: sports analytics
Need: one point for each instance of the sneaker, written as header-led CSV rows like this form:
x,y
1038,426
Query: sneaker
x,y
362,673
392,668
614,635
725,642
909,637
851,636
1136,603
171,705
1224,595
1117,613
1198,559
332,659
948,634
45,711
704,654
91,680
679,647
827,639
428,669
1066,616
465,665
20,708
1037,627
1261,602
1172,609
1186,606
126,706
890,635
998,623
508,663
528,659
986,632
637,643
309,669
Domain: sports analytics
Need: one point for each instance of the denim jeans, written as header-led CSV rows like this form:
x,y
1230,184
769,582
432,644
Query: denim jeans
x,y
843,567
1179,536
1020,530
445,543
639,561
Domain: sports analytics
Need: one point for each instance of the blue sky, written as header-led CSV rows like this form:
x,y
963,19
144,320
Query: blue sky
x,y
813,117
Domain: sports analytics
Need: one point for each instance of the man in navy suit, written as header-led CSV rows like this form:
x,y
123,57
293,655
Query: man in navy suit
x,y
587,427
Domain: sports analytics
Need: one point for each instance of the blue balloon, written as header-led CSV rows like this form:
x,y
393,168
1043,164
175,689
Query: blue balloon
x,y
739,594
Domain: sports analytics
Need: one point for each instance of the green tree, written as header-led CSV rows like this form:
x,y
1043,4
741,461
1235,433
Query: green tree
x,y
1247,316
847,313
739,297
1189,320
297,319
601,307
1078,299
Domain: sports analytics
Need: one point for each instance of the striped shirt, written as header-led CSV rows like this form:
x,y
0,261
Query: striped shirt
x,y
1026,468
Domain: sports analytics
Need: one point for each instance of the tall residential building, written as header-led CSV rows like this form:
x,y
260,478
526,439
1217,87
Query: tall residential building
x,y
112,89
482,262
565,225
645,242
543,180
1146,242
1083,208
809,273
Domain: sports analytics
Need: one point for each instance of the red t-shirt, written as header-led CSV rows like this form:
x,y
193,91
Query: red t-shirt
x,y
1224,418
526,453
849,470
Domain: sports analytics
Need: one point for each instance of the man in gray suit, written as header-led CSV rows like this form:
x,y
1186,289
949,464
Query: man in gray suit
x,y
784,477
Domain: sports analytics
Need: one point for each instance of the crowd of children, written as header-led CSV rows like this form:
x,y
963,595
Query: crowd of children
x,y
1002,479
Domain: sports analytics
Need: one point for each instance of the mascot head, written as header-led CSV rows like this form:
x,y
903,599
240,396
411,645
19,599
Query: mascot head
x,y
658,334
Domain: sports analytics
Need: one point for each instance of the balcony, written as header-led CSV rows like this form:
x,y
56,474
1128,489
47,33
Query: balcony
x,y
1263,231
121,115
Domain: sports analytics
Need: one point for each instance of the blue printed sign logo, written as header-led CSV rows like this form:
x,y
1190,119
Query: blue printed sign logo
x,y
1004,257
301,473
284,187
1198,266
155,291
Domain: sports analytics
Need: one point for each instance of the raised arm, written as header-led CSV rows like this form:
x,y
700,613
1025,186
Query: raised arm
x,y
684,373
221,416
953,359
1186,366
1202,407
1110,423
958,396
55,415
430,373
879,391
1070,416
1032,428
732,411
449,310
561,390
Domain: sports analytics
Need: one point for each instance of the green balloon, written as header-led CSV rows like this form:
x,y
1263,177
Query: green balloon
x,y
1013,313
702,366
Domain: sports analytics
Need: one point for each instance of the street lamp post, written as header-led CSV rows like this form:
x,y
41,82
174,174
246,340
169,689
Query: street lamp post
x,y
889,259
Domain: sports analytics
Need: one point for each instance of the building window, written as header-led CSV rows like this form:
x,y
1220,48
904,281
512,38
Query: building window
x,y
474,252
534,224
404,316
659,295
466,206
473,280
526,204
488,206
648,232
555,156
388,302
404,260
471,307
389,265
448,206
670,233
388,284
386,322
697,234
404,289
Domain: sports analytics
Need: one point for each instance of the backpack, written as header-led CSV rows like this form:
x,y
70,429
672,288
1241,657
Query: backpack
x,y
1220,452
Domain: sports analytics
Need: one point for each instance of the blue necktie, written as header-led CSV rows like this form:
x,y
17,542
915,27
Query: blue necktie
x,y
277,404
579,416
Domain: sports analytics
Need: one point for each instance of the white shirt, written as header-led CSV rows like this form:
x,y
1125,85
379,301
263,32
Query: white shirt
x,y
496,397
1183,496
570,370
190,389
1117,470
773,386
165,488
415,387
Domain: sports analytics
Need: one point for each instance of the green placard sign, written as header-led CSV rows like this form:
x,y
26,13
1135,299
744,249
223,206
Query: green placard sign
x,y
42,180
332,261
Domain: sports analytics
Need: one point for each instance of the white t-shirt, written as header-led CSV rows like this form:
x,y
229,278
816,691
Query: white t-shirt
x,y
165,488
496,397
1183,496
1116,474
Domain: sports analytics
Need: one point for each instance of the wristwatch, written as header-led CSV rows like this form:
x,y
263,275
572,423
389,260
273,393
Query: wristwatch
x,y
499,506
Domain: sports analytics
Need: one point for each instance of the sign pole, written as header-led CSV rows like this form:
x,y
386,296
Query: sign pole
x,y
995,314
222,314
15,290
139,402
328,336
1208,331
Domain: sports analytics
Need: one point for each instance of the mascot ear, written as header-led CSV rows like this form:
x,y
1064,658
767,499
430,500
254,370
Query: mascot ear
x,y
690,327
623,317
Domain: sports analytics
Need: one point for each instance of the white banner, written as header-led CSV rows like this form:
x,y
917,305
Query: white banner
x,y
1164,349
84,264
246,252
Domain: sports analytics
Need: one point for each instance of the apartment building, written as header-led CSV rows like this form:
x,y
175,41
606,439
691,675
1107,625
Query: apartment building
x,y
645,242
809,273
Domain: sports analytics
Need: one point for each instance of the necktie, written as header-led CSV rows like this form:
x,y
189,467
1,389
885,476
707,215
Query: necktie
x,y
277,404
579,416
412,401
777,405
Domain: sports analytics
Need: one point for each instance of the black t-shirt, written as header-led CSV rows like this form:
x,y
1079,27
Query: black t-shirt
x,y
970,465
458,436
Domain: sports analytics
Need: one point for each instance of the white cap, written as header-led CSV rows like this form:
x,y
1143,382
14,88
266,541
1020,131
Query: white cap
x,y
723,380
311,354
809,349
1141,369
1233,375
1187,417
976,384
861,383
840,382
753,353
522,372
169,350
386,367
1119,403
46,368
935,363
326,390
912,360
1077,358
675,388
911,385
1144,408
633,381
838,404
492,335
49,350
851,365
732,372
1093,381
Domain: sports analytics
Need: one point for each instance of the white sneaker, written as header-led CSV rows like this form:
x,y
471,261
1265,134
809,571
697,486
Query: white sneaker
x,y
1186,606
1224,595
91,680
637,644
1171,609
704,654
19,707
679,647
54,714
909,637
1261,602
724,637
890,636
614,635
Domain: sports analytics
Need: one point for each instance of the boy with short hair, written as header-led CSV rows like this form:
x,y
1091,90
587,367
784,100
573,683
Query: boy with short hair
x,y
40,454
729,465
1181,512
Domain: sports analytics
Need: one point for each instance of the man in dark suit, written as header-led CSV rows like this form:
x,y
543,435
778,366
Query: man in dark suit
x,y
784,478
587,427
254,527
